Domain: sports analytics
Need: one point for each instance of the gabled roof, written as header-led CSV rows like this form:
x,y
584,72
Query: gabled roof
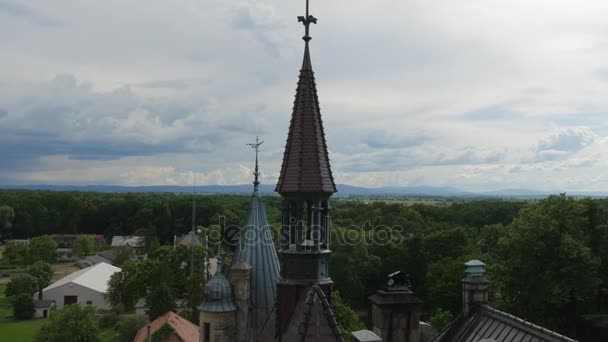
x,y
306,162
313,320
129,240
185,330
256,248
95,277
190,239
490,325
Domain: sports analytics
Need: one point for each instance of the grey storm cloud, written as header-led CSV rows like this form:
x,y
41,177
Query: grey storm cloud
x,y
62,117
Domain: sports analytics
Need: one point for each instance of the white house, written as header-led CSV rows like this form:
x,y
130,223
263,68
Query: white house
x,y
86,287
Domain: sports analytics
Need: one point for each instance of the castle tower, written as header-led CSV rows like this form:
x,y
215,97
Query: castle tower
x,y
305,185
255,250
218,311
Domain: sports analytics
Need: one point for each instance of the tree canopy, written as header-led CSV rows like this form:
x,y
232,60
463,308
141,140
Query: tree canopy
x,y
73,323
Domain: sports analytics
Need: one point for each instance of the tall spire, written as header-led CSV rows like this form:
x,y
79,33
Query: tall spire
x,y
256,248
306,166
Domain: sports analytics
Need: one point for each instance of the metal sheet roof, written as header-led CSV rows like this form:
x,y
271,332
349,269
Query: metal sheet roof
x,y
488,324
256,248
95,277
218,294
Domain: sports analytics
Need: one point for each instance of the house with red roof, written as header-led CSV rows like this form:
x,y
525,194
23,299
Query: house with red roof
x,y
174,328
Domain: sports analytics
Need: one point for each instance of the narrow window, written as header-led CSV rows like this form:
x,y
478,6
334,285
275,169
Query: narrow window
x,y
89,302
207,332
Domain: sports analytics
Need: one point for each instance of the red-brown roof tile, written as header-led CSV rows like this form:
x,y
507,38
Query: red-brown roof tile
x,y
183,328
306,165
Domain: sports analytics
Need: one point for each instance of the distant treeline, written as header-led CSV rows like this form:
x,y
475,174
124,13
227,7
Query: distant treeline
x,y
547,260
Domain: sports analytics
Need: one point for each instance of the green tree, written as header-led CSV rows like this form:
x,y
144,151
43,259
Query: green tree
x,y
123,254
548,273
23,306
160,296
128,327
127,286
43,248
351,263
22,284
443,285
84,245
7,215
440,318
43,273
345,316
15,253
74,323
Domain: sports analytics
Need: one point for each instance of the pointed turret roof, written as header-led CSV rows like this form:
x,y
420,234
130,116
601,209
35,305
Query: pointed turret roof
x,y
306,161
256,248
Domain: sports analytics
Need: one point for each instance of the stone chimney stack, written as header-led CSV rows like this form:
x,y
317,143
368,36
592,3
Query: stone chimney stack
x,y
475,287
239,277
396,311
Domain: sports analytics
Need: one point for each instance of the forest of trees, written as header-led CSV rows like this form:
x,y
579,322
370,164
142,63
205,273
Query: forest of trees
x,y
547,260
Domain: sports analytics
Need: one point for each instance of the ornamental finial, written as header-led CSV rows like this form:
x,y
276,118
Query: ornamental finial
x,y
256,147
307,20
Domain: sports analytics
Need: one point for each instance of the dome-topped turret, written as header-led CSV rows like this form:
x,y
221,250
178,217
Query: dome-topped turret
x,y
218,293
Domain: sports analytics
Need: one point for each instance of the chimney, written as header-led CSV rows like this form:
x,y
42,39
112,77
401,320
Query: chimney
x,y
474,287
239,276
396,311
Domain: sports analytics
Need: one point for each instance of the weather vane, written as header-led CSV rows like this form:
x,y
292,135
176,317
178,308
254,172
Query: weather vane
x,y
256,147
307,20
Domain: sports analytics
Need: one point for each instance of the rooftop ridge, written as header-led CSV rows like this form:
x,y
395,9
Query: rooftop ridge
x,y
531,325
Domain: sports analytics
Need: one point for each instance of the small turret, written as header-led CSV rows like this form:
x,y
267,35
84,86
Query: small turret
x,y
218,311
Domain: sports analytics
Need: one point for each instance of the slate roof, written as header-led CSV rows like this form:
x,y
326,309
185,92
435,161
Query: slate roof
x,y
95,277
313,320
487,324
305,165
218,294
256,248
185,330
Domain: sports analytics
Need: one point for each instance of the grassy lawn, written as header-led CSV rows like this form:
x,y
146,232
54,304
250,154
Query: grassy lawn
x,y
19,331
24,331
106,335
11,330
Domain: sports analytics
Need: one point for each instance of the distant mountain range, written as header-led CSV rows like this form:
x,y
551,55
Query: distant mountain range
x,y
343,190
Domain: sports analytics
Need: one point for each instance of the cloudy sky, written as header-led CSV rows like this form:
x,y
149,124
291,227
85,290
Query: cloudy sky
x,y
473,94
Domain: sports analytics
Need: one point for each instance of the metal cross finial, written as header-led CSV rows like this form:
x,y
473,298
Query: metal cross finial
x,y
307,20
256,147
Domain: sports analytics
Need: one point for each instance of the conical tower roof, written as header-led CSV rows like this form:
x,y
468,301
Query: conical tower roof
x,y
306,161
256,248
